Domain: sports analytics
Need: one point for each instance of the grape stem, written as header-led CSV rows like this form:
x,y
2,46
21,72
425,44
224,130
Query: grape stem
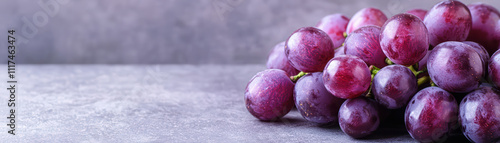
x,y
423,80
345,35
388,61
297,77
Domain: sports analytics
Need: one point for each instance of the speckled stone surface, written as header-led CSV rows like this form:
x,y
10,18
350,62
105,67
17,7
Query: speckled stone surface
x,y
154,103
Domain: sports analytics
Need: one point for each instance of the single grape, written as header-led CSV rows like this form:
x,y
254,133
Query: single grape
x,y
346,77
277,60
309,49
455,67
480,115
269,95
339,51
431,115
448,20
484,20
314,102
404,39
365,17
494,69
359,117
334,25
364,43
420,13
393,86
482,53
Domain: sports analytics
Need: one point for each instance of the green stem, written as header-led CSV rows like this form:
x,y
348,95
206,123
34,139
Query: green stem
x,y
423,80
298,76
345,35
389,62
432,83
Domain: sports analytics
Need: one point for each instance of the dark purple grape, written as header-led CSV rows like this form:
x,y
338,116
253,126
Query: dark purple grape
x,y
347,77
339,51
484,20
482,53
309,49
480,115
393,86
420,13
431,115
277,60
365,17
359,117
448,20
269,95
334,25
314,102
404,39
494,69
364,43
455,67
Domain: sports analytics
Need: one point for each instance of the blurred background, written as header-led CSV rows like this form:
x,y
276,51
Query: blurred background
x,y
169,31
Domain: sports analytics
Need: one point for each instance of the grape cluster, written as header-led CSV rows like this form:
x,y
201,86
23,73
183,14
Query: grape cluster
x,y
441,65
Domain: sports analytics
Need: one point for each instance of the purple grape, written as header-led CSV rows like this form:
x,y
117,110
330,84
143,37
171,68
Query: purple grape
x,y
277,60
314,102
455,67
431,115
482,53
365,17
346,77
484,20
339,51
423,62
309,49
359,117
404,39
393,86
448,20
334,25
494,69
364,43
269,95
480,115
420,13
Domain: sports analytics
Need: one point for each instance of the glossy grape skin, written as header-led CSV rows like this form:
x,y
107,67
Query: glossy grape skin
x,y
494,69
404,39
364,43
455,67
277,60
448,20
309,49
334,25
420,13
339,51
484,20
482,53
431,115
480,115
365,17
314,102
393,86
346,77
359,117
269,95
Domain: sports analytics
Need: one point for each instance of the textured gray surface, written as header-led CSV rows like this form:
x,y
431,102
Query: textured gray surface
x,y
173,31
167,103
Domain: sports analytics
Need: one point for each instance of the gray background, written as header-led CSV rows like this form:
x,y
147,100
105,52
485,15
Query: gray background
x,y
169,31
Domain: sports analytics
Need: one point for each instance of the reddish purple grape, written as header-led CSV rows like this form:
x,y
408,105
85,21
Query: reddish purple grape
x,y
494,69
364,43
482,53
404,39
431,115
269,95
455,67
420,13
365,17
480,115
484,20
339,51
314,102
277,60
359,117
309,49
393,86
347,77
448,20
334,25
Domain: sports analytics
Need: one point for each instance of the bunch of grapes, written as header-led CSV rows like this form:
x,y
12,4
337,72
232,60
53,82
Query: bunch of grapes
x,y
352,71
